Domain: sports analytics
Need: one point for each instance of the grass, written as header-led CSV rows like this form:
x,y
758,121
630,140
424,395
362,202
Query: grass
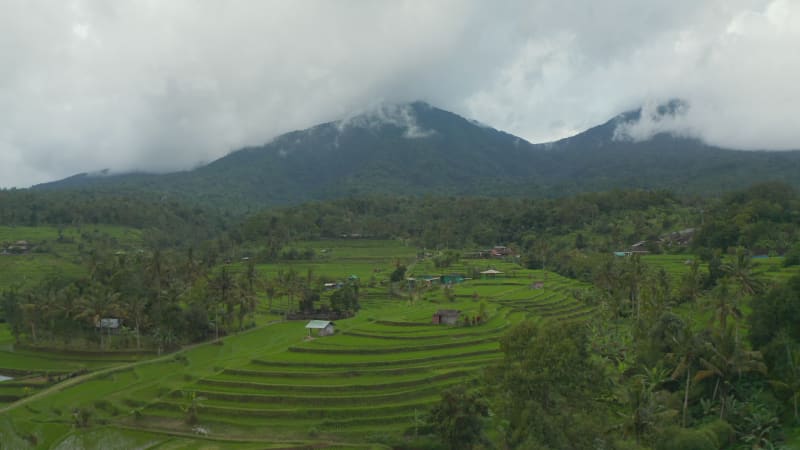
x,y
273,385
51,256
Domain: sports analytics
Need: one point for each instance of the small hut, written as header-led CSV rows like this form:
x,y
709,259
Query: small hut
x,y
108,324
323,327
491,273
446,317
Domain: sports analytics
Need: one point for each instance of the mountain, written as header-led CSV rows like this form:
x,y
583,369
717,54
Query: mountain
x,y
415,148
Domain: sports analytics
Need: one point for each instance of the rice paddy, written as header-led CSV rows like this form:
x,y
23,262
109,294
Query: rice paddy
x,y
377,376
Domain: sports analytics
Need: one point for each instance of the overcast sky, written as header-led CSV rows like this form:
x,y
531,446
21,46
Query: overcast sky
x,y
164,85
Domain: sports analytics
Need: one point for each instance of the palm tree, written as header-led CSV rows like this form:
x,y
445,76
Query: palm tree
x,y
98,303
134,307
692,282
728,360
741,272
647,409
154,270
635,274
790,381
724,304
33,310
685,356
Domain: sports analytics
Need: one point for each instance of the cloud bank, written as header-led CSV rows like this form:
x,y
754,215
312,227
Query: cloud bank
x,y
159,86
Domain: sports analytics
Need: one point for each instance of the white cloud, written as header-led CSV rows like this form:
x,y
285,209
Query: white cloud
x,y
160,86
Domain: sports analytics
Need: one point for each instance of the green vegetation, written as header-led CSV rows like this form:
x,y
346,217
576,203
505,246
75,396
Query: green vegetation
x,y
630,320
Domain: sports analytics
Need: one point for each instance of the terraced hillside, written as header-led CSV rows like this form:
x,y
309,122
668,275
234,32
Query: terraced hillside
x,y
52,251
381,371
375,377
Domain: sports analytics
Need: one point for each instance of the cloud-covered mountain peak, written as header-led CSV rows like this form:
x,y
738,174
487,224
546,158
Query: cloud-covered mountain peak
x,y
653,118
400,115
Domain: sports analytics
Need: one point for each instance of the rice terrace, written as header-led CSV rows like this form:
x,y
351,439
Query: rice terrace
x,y
273,384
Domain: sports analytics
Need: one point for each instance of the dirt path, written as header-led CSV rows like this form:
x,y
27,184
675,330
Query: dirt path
x,y
91,375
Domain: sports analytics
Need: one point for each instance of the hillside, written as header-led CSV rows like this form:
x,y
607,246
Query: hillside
x,y
419,149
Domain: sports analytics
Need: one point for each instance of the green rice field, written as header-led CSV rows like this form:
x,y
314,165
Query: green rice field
x,y
277,386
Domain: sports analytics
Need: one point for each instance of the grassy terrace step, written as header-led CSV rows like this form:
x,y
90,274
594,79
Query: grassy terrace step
x,y
316,372
349,342
392,359
233,399
578,315
552,306
479,332
261,384
303,413
393,422
365,385
403,324
564,312
388,350
498,320
377,367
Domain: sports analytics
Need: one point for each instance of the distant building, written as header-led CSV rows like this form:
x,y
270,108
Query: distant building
x,y
491,273
446,317
323,327
453,278
499,251
109,324
18,247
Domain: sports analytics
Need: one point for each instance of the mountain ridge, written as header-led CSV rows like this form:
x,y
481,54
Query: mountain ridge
x,y
417,149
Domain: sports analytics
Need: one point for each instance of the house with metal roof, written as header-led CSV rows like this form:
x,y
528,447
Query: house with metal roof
x,y
323,327
446,317
491,273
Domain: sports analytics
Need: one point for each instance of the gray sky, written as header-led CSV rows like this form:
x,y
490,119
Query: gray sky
x,y
164,85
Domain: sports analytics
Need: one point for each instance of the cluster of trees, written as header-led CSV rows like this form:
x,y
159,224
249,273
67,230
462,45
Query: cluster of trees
x,y
764,218
665,364
163,299
169,222
468,222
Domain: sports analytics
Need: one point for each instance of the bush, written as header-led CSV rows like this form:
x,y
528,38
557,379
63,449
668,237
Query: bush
x,y
712,436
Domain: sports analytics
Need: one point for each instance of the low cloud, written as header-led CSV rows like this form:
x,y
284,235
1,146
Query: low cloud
x,y
399,115
161,86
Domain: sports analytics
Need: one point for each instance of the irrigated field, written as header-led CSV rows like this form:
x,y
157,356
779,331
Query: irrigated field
x,y
377,376
55,253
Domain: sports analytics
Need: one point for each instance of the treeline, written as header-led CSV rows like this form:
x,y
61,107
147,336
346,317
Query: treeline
x,y
161,300
469,222
169,222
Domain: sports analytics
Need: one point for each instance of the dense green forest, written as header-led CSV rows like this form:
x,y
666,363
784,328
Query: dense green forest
x,y
699,354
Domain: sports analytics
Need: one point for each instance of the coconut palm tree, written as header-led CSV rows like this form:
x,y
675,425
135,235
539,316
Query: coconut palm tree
x,y
727,362
724,304
98,302
741,271
790,381
685,356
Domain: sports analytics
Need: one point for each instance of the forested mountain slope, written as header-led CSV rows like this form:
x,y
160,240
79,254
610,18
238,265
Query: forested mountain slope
x,y
419,149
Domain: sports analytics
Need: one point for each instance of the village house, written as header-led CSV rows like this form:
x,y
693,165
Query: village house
x,y
17,248
108,324
446,317
323,327
491,273
499,251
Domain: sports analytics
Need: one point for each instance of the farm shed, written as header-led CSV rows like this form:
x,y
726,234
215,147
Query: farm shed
x,y
491,273
453,278
446,316
110,324
323,327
